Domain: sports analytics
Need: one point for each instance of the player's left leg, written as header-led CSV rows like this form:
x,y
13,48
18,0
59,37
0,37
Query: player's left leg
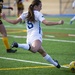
x,y
23,46
5,39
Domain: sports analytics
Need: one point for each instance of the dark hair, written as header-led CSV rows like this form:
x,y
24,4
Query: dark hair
x,y
31,16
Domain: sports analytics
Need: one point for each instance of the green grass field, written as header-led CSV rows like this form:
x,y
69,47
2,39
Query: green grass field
x,y
58,41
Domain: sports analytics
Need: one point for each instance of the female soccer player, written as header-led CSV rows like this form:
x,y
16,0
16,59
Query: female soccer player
x,y
20,7
3,30
73,18
33,17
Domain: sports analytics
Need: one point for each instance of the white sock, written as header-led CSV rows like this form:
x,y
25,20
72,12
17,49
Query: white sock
x,y
49,59
73,18
24,46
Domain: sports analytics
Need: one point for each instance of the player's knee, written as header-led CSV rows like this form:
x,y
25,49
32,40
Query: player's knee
x,y
34,49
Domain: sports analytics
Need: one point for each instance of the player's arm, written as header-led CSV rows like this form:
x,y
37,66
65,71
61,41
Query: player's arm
x,y
7,7
46,22
49,23
9,20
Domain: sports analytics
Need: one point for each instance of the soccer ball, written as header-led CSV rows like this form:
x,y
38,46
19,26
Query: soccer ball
x,y
72,66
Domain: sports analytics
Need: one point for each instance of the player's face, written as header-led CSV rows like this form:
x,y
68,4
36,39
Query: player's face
x,y
39,6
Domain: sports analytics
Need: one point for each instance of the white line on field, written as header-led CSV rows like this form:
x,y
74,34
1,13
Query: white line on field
x,y
49,36
30,61
59,40
71,35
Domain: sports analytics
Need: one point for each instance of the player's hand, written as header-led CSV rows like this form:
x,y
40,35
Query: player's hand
x,y
61,22
10,8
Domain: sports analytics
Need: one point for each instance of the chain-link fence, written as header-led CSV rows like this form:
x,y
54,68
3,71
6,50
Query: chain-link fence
x,y
66,7
49,7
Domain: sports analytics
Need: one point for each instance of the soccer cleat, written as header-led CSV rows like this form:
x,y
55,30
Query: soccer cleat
x,y
11,51
58,66
71,22
15,44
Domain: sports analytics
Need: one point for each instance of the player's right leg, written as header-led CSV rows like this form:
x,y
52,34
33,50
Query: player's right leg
x,y
71,21
49,58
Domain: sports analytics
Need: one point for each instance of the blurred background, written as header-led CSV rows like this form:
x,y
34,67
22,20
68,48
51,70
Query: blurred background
x,y
50,7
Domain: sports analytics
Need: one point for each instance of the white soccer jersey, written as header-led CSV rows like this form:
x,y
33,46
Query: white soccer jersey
x,y
33,29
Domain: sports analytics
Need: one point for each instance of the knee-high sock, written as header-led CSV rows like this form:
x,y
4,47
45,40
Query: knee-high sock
x,y
6,43
24,46
73,18
49,59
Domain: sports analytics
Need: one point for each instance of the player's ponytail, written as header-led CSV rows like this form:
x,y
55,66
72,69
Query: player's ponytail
x,y
31,16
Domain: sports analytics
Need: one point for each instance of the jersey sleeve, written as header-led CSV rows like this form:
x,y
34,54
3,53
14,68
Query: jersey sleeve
x,y
23,16
41,17
5,7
